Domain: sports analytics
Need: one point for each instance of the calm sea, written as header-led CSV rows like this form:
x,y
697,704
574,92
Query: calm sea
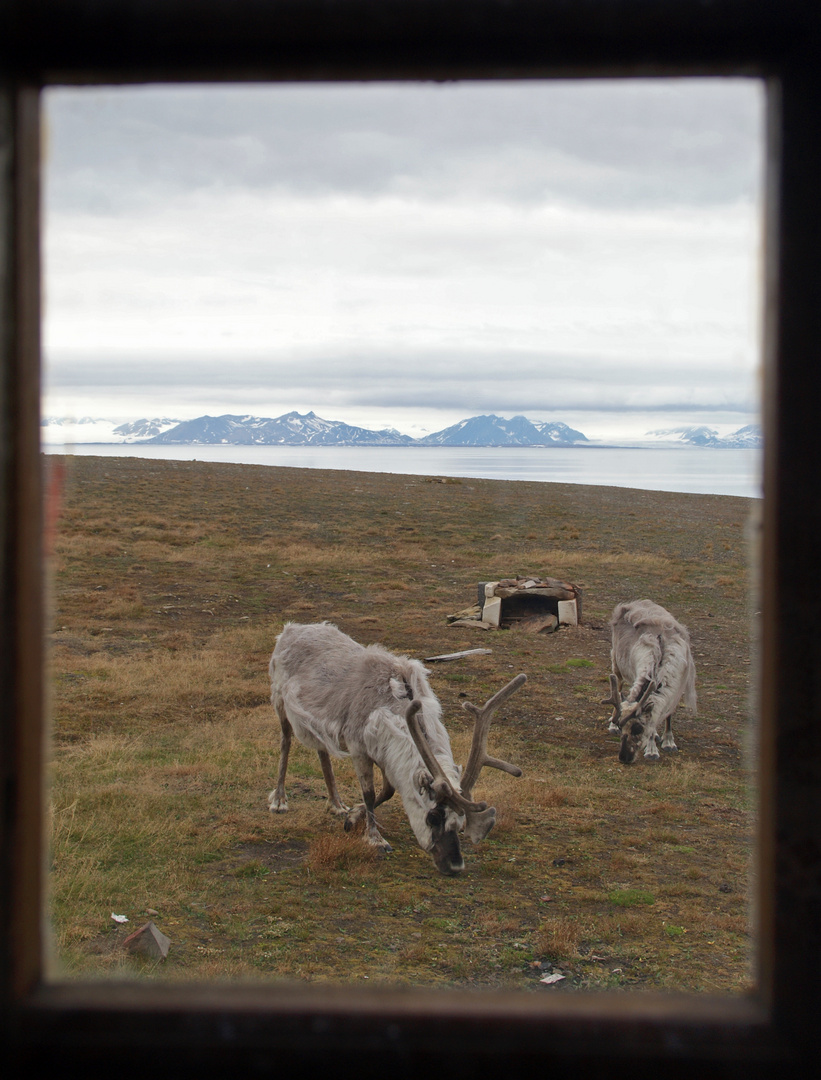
x,y
695,469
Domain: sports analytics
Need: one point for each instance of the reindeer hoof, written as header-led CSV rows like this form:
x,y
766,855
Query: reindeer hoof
x,y
613,728
277,806
354,817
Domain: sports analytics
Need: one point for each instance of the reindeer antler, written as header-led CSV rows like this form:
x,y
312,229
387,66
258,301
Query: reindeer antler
x,y
615,696
442,787
478,752
649,688
620,705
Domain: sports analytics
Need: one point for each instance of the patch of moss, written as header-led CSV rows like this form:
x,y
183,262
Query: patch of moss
x,y
630,897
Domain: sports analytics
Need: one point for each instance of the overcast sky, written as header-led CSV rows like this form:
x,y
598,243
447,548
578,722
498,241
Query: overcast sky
x,y
407,255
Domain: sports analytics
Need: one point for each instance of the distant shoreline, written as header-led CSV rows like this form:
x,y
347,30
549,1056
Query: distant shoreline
x,y
685,469
57,447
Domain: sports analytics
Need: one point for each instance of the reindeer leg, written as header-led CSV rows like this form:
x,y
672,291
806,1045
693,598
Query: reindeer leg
x,y
337,804
364,772
277,801
651,750
615,701
388,791
667,740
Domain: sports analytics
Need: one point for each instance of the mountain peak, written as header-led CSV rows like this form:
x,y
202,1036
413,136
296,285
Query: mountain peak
x,y
492,430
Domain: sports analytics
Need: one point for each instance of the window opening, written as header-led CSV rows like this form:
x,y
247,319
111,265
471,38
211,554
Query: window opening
x,y
509,272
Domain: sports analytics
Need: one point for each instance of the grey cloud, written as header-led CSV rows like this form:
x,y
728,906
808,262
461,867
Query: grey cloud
x,y
666,142
513,382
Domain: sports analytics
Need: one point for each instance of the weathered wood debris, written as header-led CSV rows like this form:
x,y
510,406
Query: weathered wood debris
x,y
456,655
534,604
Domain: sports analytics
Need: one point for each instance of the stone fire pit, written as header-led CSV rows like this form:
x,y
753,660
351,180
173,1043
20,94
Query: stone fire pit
x,y
534,604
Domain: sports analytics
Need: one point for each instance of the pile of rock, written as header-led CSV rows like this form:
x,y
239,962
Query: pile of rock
x,y
535,604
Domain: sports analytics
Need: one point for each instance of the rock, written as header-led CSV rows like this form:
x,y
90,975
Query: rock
x,y
568,613
492,611
474,612
551,979
148,940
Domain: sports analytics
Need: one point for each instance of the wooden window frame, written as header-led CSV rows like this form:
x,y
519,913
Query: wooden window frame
x,y
185,1030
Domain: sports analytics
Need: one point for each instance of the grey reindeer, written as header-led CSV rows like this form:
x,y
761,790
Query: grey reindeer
x,y
341,699
651,654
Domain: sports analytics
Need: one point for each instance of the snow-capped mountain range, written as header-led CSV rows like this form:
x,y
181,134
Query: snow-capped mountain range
x,y
749,437
90,429
292,429
308,429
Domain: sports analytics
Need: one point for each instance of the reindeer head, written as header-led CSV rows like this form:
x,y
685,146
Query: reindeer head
x,y
627,721
453,808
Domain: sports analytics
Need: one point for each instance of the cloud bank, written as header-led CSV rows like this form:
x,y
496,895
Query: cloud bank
x,y
423,252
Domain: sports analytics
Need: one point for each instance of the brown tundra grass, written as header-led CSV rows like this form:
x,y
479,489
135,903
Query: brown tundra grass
x,y
171,581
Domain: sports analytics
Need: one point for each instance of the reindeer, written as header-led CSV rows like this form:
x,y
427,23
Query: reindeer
x,y
344,699
651,651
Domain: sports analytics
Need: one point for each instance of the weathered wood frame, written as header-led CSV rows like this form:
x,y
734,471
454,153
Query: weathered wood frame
x,y
184,1031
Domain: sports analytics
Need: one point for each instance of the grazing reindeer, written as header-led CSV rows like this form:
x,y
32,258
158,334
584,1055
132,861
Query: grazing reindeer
x,y
651,651
341,698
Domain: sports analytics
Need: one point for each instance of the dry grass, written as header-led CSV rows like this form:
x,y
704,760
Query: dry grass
x,y
558,940
335,851
165,745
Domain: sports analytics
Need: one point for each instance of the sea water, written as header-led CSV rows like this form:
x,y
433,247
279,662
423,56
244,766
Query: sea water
x,y
701,470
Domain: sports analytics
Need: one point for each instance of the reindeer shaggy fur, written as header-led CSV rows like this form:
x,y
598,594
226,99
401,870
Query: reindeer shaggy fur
x,y
344,699
651,652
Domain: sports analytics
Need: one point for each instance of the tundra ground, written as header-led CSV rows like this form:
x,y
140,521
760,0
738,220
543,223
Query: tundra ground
x,y
170,583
